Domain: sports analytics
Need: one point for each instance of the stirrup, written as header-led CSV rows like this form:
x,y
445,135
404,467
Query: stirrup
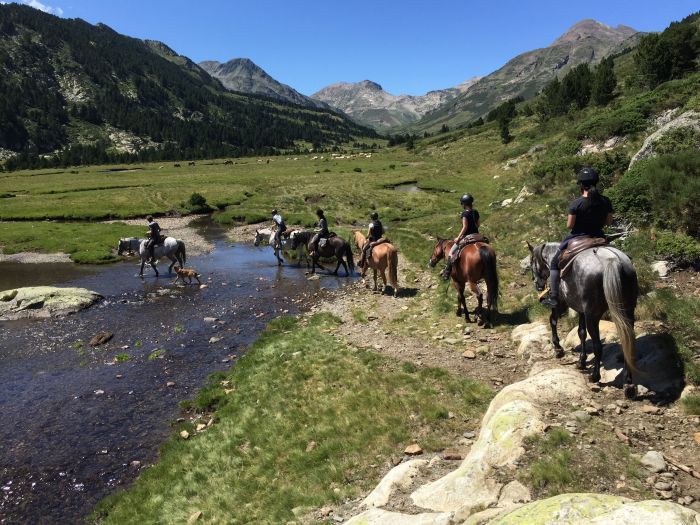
x,y
550,301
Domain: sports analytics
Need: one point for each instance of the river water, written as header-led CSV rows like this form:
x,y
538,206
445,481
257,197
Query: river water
x,y
74,417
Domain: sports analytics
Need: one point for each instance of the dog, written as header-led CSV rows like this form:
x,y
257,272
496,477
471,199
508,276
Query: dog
x,y
186,273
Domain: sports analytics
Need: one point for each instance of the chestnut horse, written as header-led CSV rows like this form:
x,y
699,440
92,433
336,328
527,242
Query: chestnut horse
x,y
384,256
477,261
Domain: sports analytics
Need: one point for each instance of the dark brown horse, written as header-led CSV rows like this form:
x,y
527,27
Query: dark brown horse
x,y
335,247
477,261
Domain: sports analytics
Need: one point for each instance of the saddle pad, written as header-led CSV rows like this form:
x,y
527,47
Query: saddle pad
x,y
466,241
576,246
322,243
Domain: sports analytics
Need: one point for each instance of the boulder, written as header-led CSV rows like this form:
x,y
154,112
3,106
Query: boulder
x,y
532,339
514,492
608,334
689,119
44,301
511,417
398,477
384,517
662,268
524,194
654,461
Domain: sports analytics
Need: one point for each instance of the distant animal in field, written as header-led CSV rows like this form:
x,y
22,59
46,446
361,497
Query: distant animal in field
x,y
176,165
228,162
186,273
384,257
191,163
173,249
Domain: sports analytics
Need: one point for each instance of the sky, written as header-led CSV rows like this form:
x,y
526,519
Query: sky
x,y
408,46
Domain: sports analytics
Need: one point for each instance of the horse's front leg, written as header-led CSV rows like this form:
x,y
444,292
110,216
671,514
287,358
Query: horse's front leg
x,y
337,266
173,260
374,274
553,318
143,262
597,350
582,337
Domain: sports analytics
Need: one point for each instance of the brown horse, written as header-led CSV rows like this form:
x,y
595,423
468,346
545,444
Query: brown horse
x,y
384,256
477,261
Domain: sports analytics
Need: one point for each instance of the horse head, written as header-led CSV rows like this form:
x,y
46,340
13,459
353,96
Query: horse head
x,y
123,245
438,252
258,237
538,266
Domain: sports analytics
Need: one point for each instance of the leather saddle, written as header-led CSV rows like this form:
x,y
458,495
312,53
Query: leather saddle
x,y
466,241
576,246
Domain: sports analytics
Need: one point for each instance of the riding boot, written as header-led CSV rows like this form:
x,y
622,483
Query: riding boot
x,y
553,299
447,270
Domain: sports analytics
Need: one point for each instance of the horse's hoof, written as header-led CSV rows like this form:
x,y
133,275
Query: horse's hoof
x,y
480,322
559,352
594,378
631,391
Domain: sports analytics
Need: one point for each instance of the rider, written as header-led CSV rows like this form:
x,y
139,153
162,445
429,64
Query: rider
x,y
153,238
281,226
375,232
321,230
470,224
587,216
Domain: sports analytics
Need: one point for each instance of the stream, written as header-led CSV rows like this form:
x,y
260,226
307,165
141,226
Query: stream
x,y
74,418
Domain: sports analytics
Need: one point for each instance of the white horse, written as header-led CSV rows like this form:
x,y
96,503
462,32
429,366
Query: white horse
x,y
285,244
173,249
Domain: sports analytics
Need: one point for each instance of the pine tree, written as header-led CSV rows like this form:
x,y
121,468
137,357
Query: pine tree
x,y
603,83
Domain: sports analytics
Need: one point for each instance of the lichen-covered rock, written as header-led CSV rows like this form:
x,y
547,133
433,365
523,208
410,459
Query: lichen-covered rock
x,y
515,413
384,517
400,476
44,301
531,338
689,119
598,509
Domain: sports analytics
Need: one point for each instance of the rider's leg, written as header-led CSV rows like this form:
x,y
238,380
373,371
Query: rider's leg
x,y
448,267
365,254
314,244
554,280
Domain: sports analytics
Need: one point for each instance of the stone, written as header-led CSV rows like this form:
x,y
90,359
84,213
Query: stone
x,y
697,438
400,476
413,450
135,464
469,354
662,268
210,320
581,415
201,426
651,409
184,434
384,517
608,335
170,383
452,341
451,454
101,338
532,339
194,517
44,301
524,264
311,445
213,340
654,461
689,119
662,485
514,492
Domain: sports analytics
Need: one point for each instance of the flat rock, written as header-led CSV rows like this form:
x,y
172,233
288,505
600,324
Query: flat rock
x,y
469,354
413,450
452,454
101,338
514,492
608,335
532,339
662,268
400,476
385,517
44,301
654,461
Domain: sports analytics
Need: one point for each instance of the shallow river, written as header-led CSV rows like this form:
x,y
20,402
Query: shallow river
x,y
73,419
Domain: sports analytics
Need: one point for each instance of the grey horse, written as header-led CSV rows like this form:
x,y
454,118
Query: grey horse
x,y
599,280
173,249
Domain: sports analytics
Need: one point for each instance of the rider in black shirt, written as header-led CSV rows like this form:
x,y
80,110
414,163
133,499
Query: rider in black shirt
x,y
153,237
321,230
587,216
375,232
470,224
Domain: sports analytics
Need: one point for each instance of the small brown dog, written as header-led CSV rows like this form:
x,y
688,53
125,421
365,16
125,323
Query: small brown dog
x,y
186,273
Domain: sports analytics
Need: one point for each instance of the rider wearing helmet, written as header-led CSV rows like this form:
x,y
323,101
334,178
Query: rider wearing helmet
x,y
153,238
470,224
375,232
587,216
281,227
321,230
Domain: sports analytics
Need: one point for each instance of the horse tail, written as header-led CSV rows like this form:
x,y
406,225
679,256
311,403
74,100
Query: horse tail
x,y
181,249
393,264
488,259
613,289
348,256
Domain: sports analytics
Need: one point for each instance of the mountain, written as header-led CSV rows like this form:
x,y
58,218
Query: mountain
x,y
73,93
244,76
587,41
366,102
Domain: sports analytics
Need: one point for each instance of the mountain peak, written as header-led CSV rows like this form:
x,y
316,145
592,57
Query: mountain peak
x,y
368,84
593,28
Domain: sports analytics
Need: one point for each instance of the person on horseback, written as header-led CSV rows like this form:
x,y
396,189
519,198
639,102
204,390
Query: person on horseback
x,y
470,224
153,238
281,227
321,230
587,216
375,234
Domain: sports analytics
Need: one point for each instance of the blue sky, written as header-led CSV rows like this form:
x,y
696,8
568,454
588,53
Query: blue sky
x,y
407,46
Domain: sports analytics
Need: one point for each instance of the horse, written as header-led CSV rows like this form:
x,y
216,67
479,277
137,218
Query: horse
x,y
477,261
335,247
173,249
285,244
600,279
384,256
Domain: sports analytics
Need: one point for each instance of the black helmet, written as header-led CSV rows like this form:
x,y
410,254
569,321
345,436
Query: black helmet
x,y
319,212
587,176
149,218
274,211
467,199
374,215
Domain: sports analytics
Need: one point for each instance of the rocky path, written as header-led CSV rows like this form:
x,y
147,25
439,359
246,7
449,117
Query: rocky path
x,y
536,393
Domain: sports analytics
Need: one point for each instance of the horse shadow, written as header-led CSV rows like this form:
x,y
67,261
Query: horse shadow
x,y
407,292
514,318
660,367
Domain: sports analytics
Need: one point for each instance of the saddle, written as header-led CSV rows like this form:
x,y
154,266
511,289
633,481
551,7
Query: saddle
x,y
466,241
576,246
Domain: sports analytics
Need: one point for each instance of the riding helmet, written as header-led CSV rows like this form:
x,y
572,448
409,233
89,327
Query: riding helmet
x,y
587,175
274,211
374,216
319,212
149,218
467,199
